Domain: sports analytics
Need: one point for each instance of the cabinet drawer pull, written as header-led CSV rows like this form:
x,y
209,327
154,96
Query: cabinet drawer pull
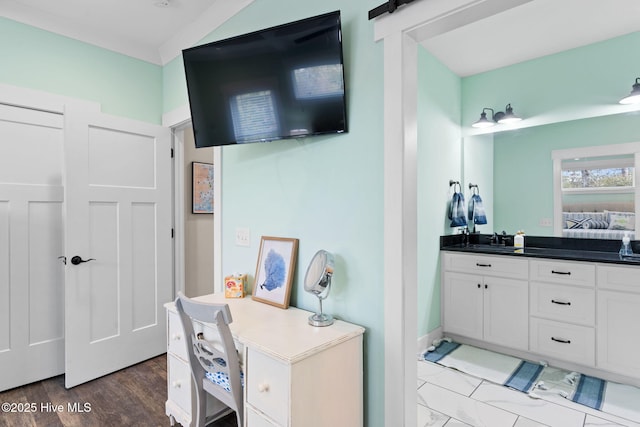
x,y
263,388
560,302
479,285
564,273
560,340
176,384
482,265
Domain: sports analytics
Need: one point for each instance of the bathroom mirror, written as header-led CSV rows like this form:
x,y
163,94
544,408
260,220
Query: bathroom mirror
x,y
523,170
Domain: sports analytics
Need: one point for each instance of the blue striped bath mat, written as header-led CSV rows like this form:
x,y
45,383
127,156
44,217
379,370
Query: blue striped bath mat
x,y
538,380
495,367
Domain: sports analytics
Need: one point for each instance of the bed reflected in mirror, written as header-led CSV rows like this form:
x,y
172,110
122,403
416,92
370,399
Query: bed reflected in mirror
x,y
595,192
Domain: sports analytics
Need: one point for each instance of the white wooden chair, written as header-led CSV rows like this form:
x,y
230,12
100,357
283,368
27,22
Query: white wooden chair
x,y
215,365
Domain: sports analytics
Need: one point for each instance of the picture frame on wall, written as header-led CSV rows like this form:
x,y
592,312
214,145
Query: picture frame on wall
x,y
202,188
274,271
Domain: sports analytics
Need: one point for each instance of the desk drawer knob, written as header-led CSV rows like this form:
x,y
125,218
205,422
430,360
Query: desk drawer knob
x,y
176,337
263,387
176,384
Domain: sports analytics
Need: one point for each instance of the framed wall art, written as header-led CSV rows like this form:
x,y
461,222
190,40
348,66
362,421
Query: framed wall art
x,y
202,188
274,271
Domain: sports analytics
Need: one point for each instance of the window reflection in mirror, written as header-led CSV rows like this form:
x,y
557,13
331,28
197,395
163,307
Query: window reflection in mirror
x,y
596,193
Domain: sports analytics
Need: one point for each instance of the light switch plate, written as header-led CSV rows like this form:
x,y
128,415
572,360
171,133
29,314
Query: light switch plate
x,y
243,236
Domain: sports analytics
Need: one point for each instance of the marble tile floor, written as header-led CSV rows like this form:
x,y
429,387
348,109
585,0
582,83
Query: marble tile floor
x,y
449,398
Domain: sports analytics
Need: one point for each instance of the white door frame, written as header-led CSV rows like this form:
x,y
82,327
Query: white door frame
x,y
401,33
177,120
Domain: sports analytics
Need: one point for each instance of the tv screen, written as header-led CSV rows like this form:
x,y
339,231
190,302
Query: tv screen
x,y
281,82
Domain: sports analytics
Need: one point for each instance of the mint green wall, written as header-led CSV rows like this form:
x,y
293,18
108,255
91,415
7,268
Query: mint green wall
x,y
326,191
439,159
583,79
38,59
595,75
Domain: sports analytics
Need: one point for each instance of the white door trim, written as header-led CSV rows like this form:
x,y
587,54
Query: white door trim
x,y
177,119
401,32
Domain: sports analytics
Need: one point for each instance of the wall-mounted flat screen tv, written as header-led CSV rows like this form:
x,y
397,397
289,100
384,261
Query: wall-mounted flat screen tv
x,y
281,82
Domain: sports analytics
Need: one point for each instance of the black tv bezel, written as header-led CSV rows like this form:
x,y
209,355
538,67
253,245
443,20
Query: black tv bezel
x,y
249,35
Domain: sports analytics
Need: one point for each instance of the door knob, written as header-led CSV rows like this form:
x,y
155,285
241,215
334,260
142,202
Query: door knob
x,y
78,260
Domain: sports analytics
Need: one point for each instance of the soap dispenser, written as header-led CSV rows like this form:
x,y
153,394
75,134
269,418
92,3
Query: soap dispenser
x,y
518,241
625,250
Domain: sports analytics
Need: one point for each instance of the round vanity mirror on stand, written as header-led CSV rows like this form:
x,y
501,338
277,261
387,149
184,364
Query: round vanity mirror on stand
x,y
318,281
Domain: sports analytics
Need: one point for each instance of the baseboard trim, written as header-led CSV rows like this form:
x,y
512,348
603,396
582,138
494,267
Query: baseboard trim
x,y
426,341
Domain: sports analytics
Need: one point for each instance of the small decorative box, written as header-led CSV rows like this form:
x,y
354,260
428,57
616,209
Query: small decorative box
x,y
234,286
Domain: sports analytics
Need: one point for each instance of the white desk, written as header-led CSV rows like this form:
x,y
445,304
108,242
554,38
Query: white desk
x,y
295,375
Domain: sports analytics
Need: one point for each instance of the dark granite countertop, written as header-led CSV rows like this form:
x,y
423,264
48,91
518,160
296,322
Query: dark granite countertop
x,y
589,250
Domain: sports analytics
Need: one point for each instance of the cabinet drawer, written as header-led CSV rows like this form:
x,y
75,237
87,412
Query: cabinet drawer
x,y
255,419
564,272
563,303
503,266
563,341
179,383
175,341
619,278
267,385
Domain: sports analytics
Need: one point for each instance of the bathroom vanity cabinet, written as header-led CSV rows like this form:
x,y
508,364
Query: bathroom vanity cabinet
x,y
564,311
486,298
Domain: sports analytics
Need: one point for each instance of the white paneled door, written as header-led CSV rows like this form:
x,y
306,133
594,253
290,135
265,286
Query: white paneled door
x,y
31,239
79,183
118,242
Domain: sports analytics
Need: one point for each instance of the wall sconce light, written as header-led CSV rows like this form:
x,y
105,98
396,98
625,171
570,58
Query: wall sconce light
x,y
634,96
500,117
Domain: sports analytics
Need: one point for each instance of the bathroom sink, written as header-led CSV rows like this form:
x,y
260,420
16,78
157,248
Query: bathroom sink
x,y
492,248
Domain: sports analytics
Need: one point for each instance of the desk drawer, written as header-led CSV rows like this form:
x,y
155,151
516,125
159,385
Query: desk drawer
x,y
563,341
268,386
175,341
254,419
563,303
179,383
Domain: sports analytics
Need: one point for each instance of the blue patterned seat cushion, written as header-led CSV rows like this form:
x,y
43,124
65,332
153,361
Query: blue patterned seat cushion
x,y
222,378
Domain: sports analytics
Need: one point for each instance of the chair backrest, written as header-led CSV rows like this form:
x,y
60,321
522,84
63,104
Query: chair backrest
x,y
214,354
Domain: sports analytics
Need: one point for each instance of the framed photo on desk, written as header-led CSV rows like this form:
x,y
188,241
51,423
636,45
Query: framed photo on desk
x,y
274,272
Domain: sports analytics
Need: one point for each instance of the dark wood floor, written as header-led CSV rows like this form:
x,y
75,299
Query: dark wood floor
x,y
134,396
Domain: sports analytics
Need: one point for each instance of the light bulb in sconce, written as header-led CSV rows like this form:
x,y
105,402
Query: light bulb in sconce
x,y
507,117
634,96
483,122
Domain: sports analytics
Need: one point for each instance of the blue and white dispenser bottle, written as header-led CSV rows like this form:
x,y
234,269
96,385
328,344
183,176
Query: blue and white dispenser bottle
x,y
625,250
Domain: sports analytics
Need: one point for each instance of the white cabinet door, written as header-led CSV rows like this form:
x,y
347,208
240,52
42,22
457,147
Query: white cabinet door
x,y
487,308
463,306
618,329
506,312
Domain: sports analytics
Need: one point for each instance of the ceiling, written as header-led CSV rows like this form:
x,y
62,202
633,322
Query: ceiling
x,y
154,32
531,30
